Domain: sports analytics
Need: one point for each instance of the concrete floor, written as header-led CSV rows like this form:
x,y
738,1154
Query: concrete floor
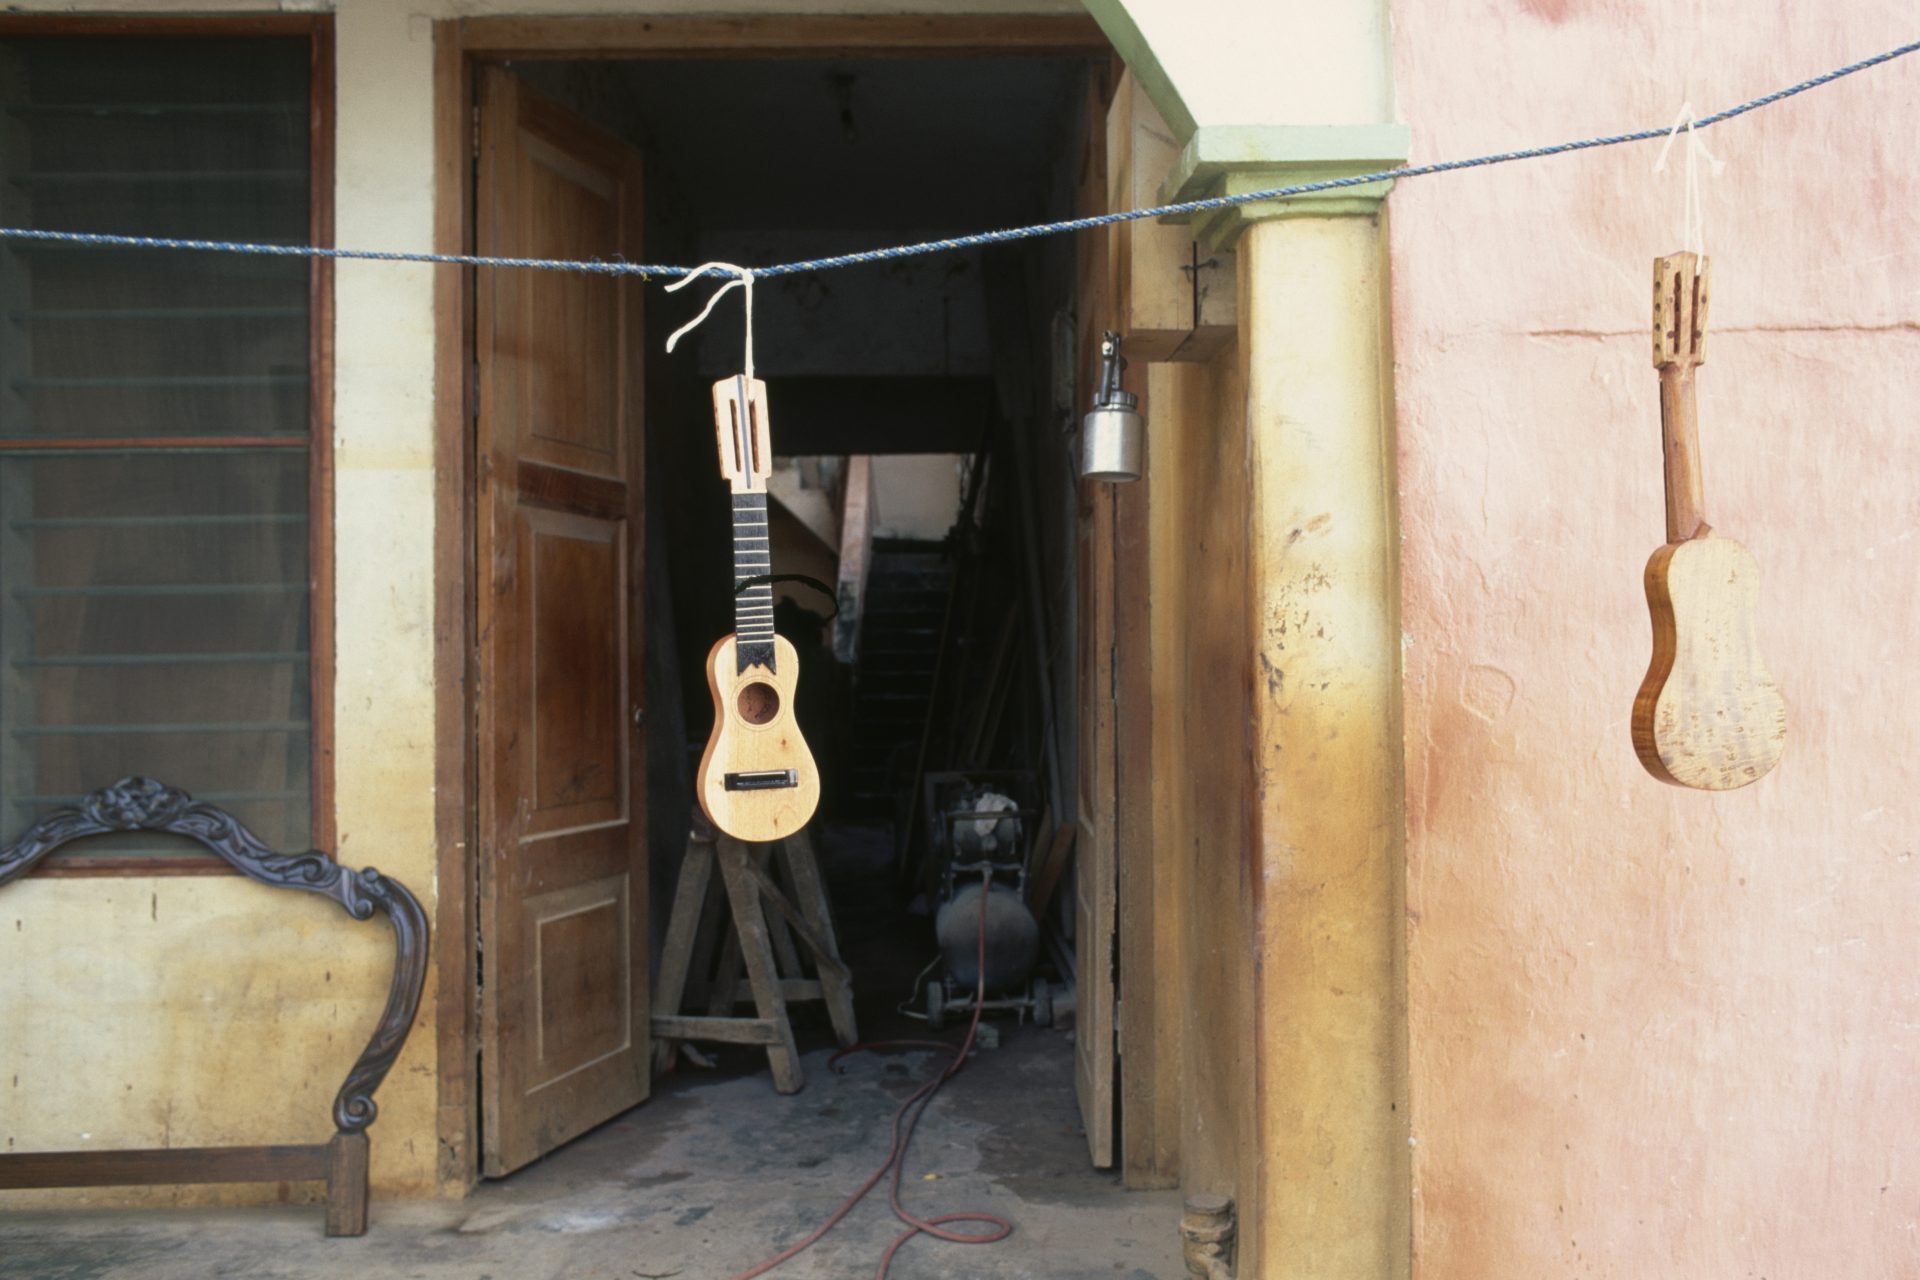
x,y
711,1176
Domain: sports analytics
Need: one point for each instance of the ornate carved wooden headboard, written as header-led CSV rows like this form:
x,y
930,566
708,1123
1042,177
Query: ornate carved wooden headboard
x,y
141,804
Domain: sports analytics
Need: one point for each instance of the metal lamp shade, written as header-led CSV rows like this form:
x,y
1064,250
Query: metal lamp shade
x,y
1111,438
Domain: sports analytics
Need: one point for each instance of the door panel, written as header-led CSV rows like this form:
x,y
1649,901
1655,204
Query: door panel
x,y
575,575
562,856
570,325
584,1013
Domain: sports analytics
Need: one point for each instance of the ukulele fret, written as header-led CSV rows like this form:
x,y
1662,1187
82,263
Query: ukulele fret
x,y
752,594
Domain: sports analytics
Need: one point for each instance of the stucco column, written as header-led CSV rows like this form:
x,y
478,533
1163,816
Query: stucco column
x,y
384,695
1328,829
1259,95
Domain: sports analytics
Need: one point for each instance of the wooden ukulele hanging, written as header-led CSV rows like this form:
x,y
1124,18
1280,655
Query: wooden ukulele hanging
x,y
757,779
1708,714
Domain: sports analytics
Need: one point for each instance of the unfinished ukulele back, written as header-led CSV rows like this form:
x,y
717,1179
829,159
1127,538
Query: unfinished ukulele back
x,y
1708,714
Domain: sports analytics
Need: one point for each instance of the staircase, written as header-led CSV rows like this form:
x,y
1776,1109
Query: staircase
x,y
906,602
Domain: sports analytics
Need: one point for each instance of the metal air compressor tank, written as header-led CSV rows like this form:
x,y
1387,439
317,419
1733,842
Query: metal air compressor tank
x,y
1013,938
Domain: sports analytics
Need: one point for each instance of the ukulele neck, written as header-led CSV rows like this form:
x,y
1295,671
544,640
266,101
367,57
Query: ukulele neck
x,y
752,600
745,441
1679,348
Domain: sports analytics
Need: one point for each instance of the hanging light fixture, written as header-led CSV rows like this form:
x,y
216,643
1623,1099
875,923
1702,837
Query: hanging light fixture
x,y
1111,434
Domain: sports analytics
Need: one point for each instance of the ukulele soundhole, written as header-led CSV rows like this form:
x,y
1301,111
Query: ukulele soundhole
x,y
759,703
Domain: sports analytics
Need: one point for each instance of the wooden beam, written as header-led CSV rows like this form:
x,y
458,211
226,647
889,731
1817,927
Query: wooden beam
x,y
170,1166
823,954
347,1184
725,1030
856,557
1173,301
784,36
791,988
455,980
1047,872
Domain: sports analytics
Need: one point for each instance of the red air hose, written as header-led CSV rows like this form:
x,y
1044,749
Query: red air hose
x,y
904,1121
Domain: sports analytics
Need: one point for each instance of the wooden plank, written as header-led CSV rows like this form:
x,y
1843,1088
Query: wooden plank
x,y
780,933
1047,872
824,954
266,24
1146,899
1173,302
1155,305
1094,1040
726,977
164,1167
671,1027
676,952
836,982
1175,825
856,557
792,988
707,939
320,362
868,35
756,953
455,985
347,1184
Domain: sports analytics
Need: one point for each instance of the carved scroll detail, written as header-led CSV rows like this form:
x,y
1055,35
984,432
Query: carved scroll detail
x,y
141,804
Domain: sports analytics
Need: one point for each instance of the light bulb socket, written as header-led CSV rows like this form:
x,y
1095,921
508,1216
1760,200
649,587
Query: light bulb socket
x,y
1113,434
1111,439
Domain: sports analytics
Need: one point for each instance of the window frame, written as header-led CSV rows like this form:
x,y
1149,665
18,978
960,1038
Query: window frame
x,y
318,30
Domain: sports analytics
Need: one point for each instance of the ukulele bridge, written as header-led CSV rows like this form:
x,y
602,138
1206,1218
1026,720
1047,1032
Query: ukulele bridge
x,y
761,780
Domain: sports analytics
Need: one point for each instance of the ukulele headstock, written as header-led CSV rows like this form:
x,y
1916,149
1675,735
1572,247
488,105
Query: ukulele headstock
x,y
743,433
1679,311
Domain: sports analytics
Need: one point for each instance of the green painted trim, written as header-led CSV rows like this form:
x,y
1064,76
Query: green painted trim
x,y
1229,160
1124,35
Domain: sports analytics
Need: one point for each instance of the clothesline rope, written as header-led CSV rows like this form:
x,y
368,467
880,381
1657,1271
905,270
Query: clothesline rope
x,y
618,267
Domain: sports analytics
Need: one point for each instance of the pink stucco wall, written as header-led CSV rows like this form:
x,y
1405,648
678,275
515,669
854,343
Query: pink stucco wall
x,y
1657,1032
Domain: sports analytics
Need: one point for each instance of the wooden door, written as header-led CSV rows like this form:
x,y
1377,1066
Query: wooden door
x,y
562,822
1095,861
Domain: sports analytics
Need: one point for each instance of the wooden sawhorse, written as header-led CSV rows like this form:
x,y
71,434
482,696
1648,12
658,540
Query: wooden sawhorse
x,y
761,941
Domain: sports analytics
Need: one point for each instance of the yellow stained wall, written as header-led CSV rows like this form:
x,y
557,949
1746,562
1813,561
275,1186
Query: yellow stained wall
x,y
152,1012
1276,732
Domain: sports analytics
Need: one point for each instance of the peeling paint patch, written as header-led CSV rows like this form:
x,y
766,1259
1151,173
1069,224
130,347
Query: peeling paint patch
x,y
1487,692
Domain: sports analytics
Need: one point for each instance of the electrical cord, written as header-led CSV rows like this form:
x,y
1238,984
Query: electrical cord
x,y
904,1120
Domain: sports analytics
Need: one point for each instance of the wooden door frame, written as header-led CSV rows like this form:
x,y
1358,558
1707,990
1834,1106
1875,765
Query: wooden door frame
x,y
460,45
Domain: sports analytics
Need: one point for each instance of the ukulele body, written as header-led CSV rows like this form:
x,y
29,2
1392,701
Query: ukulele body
x,y
757,779
1708,714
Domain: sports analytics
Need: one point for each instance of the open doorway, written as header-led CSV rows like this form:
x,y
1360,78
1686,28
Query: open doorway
x,y
926,532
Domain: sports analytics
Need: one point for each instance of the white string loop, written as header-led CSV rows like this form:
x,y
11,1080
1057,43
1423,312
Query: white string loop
x,y
1693,220
742,279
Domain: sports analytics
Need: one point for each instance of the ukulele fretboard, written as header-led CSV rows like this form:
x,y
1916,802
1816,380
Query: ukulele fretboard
x,y
752,593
